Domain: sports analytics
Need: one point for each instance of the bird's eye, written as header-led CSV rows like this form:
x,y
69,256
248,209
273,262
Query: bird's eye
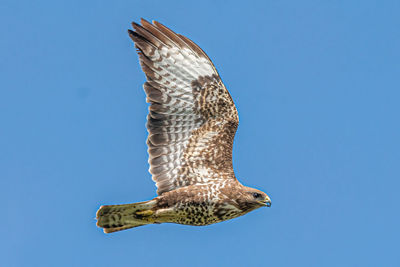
x,y
256,195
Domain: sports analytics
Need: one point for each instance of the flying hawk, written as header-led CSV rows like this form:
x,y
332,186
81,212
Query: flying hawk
x,y
192,121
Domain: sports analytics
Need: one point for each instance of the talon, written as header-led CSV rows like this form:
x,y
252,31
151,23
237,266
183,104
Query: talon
x,y
145,212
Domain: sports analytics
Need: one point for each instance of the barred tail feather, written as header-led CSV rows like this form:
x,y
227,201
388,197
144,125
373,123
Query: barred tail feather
x,y
113,218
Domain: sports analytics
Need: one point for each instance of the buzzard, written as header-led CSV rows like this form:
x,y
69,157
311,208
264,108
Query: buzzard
x,y
192,121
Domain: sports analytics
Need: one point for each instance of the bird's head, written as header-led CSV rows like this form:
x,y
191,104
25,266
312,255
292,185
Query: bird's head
x,y
255,198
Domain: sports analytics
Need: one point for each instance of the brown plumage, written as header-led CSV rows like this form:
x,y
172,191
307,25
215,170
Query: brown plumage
x,y
192,122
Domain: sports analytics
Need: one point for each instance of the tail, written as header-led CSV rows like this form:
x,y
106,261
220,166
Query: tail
x,y
113,218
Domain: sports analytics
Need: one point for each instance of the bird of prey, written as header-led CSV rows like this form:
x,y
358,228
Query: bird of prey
x,y
192,122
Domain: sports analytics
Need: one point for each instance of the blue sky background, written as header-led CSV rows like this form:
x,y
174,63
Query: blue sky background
x,y
317,86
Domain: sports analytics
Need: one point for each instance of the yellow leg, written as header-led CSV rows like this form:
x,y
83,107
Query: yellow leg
x,y
145,213
165,215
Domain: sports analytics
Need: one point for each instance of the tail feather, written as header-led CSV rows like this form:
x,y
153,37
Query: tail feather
x,y
116,229
113,218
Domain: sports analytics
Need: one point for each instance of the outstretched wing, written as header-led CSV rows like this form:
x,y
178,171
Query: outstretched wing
x,y
192,119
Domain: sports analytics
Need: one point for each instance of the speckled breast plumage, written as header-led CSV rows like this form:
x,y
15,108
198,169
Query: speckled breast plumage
x,y
199,204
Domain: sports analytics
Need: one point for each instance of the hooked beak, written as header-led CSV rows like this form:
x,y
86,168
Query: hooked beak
x,y
266,202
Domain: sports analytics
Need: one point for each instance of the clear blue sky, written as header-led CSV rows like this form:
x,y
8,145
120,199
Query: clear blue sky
x,y
317,86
